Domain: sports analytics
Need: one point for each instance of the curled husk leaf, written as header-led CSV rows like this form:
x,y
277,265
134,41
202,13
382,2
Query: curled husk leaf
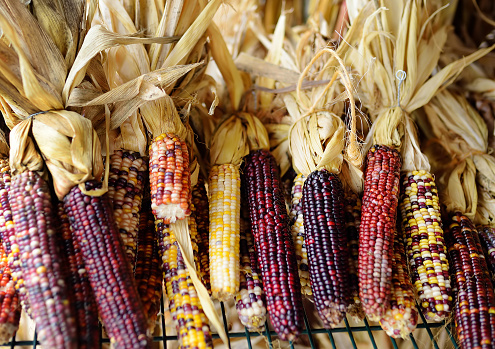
x,y
257,136
4,146
23,153
460,193
229,143
71,150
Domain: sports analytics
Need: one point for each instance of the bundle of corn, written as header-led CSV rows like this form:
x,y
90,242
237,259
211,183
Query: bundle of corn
x,y
409,46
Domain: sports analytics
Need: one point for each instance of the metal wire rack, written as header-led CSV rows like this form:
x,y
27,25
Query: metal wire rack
x,y
168,341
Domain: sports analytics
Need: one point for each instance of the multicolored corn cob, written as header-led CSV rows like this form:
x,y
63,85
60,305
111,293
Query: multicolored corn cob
x,y
274,246
425,245
250,300
224,194
10,307
191,323
119,306
376,233
33,216
326,242
474,306
352,213
125,191
402,317
170,178
487,239
7,234
297,229
148,273
79,289
200,212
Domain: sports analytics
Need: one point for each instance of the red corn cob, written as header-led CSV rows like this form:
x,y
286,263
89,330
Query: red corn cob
x,y
326,243
274,246
111,279
474,309
148,273
79,288
376,234
352,224
10,308
33,216
7,234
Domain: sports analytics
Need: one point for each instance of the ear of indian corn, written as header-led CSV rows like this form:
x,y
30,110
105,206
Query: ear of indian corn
x,y
352,223
200,212
474,301
170,178
10,307
425,245
273,242
78,286
326,242
487,239
376,233
224,191
33,216
297,229
125,191
402,317
148,273
191,323
111,278
7,234
250,300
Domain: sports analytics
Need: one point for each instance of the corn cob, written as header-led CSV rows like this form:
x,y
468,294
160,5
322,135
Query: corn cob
x,y
426,251
125,191
402,317
274,246
376,233
474,307
148,273
10,308
250,300
33,216
109,272
297,229
191,323
352,223
170,178
487,239
7,234
79,289
326,242
224,189
199,210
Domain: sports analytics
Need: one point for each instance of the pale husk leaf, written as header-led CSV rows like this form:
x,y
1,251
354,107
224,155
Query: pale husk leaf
x,y
352,176
160,116
23,153
71,150
4,146
257,136
484,86
485,172
460,193
279,145
412,157
485,211
229,143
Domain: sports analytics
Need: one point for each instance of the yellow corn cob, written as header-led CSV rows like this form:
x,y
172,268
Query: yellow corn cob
x,y
125,191
224,188
401,317
297,229
426,250
170,178
192,325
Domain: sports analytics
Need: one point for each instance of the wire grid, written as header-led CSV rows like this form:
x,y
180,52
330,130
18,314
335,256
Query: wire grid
x,y
308,332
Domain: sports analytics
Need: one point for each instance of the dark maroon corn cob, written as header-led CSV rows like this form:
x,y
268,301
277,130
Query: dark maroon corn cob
x,y
33,216
376,234
111,278
474,308
274,245
326,243
148,272
79,289
7,234
352,224
200,212
487,239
